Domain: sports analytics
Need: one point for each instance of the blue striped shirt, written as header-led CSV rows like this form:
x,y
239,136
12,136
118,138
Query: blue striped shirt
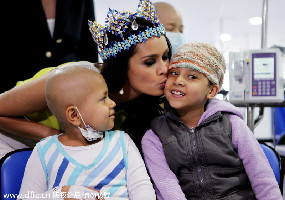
x,y
106,173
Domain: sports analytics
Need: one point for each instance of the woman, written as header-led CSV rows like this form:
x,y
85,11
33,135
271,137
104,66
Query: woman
x,y
135,74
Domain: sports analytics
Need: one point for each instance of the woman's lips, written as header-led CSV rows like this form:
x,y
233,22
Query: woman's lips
x,y
162,84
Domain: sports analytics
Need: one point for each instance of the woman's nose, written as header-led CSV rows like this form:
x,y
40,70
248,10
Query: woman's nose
x,y
163,68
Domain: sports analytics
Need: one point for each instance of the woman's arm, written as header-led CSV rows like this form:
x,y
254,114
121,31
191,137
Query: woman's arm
x,y
23,100
26,129
165,181
256,165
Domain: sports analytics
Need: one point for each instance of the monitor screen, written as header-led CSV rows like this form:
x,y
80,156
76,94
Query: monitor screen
x,y
263,68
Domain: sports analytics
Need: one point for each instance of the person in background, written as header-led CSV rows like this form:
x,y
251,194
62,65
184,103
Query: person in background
x,y
86,156
44,33
171,18
201,147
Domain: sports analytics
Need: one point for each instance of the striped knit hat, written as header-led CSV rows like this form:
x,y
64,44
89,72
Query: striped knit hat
x,y
202,57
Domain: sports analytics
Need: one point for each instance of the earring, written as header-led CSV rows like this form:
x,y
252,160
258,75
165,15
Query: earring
x,y
121,91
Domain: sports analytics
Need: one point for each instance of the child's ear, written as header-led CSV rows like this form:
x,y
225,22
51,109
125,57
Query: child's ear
x,y
72,116
214,89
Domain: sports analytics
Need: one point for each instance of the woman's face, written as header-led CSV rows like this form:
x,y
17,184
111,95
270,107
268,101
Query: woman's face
x,y
147,72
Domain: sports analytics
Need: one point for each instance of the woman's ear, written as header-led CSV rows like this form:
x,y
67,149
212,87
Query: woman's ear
x,y
72,115
214,89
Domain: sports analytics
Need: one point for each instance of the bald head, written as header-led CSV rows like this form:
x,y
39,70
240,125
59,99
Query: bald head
x,y
70,85
169,16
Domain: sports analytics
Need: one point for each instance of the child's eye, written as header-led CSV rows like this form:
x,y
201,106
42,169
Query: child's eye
x,y
104,98
173,73
192,77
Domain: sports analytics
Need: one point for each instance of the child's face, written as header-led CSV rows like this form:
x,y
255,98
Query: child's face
x,y
98,109
186,89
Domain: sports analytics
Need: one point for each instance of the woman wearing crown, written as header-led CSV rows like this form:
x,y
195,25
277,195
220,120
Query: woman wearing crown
x,y
136,54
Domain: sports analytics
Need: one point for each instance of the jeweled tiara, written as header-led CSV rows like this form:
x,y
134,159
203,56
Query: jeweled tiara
x,y
117,23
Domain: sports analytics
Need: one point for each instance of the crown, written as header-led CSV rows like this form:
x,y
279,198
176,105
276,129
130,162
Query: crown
x,y
117,23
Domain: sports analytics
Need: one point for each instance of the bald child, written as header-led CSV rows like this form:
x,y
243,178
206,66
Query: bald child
x,y
171,18
87,160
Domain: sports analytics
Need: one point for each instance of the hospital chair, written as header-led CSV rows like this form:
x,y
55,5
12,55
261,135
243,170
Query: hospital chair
x,y
12,171
275,163
14,163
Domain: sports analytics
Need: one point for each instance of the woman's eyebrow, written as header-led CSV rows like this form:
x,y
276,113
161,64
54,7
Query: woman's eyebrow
x,y
149,56
155,55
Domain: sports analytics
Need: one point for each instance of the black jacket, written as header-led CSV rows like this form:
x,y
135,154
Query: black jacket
x,y
27,45
203,159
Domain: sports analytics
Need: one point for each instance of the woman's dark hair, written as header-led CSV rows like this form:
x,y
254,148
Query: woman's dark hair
x,y
115,68
138,113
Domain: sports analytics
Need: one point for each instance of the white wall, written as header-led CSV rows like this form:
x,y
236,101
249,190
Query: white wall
x,y
204,20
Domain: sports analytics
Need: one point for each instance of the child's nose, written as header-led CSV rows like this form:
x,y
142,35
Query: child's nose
x,y
112,103
179,81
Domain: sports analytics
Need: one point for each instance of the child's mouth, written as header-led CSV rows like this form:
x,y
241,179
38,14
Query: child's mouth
x,y
177,93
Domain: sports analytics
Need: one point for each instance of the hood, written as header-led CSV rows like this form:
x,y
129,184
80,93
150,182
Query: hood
x,y
216,105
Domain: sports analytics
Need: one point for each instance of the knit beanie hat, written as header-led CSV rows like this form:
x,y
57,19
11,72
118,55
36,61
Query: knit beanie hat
x,y
203,58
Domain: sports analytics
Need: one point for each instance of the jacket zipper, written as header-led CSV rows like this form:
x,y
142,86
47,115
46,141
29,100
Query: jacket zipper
x,y
193,149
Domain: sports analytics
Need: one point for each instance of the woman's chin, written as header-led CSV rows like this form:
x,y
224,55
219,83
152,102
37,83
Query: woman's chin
x,y
155,93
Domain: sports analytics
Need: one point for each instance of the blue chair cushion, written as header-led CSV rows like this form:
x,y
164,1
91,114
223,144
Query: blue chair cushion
x,y
273,159
12,172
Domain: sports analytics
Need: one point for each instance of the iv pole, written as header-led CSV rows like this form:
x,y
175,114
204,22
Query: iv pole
x,y
264,24
250,107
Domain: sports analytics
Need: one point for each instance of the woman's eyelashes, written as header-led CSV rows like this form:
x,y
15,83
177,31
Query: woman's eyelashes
x,y
149,62
165,57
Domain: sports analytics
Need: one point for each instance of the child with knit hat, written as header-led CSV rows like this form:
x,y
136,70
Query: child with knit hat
x,y
201,148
